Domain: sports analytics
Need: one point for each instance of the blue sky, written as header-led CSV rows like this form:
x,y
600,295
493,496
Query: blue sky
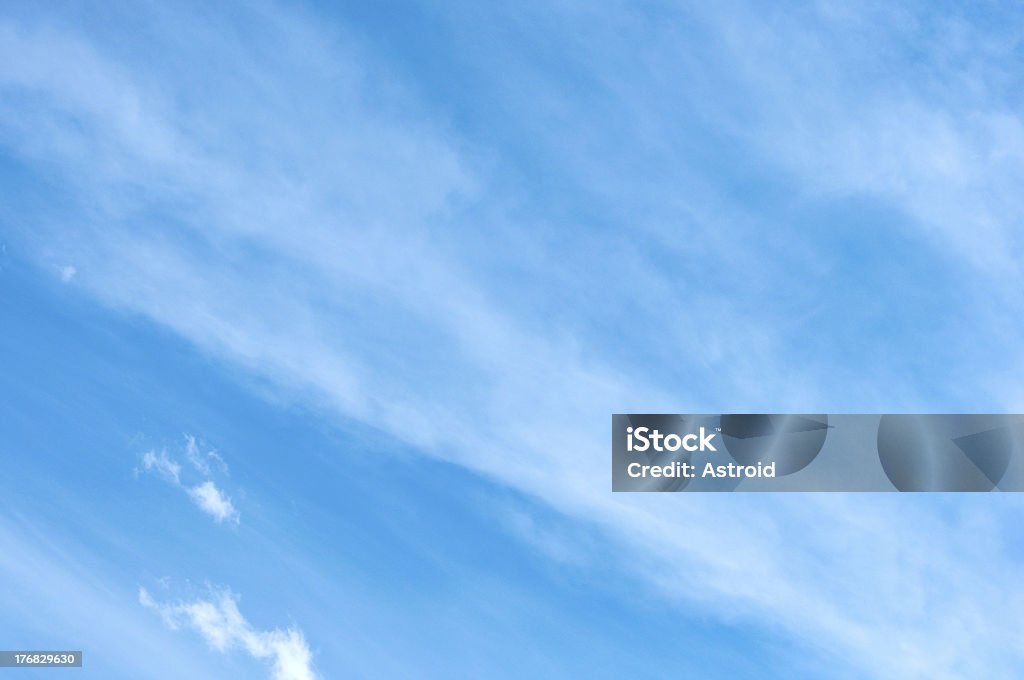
x,y
314,317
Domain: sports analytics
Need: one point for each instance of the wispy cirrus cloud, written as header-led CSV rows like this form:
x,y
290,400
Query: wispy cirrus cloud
x,y
161,464
220,623
204,462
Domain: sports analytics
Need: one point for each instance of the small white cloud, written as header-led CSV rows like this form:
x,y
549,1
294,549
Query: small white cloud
x,y
212,501
162,465
67,273
204,494
223,627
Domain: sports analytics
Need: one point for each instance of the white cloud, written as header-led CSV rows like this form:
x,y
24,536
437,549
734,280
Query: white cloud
x,y
223,627
205,494
213,502
162,465
67,273
933,136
